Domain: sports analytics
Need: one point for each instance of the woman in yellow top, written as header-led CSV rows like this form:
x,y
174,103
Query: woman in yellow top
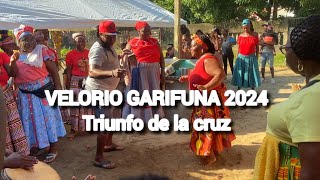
x,y
291,147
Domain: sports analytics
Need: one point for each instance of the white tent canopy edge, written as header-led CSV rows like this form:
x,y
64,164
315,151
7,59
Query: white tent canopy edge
x,y
81,14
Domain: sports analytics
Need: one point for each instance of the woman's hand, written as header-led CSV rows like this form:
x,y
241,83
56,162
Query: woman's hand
x,y
19,160
89,177
200,87
126,52
15,56
183,78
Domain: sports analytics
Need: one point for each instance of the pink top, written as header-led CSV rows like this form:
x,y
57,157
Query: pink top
x,y
247,44
28,73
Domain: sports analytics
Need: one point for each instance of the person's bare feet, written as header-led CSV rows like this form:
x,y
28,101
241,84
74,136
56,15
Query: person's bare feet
x,y
72,135
207,160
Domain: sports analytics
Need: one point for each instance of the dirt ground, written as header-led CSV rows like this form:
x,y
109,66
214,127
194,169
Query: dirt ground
x,y
168,153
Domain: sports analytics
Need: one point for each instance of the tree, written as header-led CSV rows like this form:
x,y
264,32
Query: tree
x,y
217,11
209,11
308,7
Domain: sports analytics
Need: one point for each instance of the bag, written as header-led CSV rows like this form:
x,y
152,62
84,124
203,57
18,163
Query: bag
x,y
40,92
135,78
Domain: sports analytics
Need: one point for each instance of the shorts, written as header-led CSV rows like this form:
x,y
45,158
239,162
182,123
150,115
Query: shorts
x,y
267,56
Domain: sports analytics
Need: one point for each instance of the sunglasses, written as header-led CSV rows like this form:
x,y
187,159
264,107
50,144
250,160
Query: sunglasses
x,y
284,49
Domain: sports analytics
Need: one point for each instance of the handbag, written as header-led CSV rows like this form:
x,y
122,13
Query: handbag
x,y
135,78
40,92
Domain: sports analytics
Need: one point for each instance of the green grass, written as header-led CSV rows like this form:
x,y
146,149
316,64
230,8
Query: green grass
x,y
279,60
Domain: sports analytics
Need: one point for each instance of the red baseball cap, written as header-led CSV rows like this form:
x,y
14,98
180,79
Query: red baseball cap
x,y
108,27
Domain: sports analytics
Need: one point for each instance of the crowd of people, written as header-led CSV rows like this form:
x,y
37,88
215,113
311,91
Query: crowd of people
x,y
33,128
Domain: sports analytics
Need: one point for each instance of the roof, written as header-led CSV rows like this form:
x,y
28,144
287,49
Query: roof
x,y
81,14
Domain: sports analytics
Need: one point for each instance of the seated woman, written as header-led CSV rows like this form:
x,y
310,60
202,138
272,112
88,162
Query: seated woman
x,y
291,147
208,75
32,64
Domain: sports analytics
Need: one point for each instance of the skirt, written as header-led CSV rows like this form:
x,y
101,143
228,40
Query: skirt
x,y
290,165
246,72
149,79
16,139
206,143
42,123
77,123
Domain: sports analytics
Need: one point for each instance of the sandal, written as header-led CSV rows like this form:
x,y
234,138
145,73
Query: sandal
x,y
50,157
113,148
104,164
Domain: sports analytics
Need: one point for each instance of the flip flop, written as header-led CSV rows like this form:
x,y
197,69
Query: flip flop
x,y
50,157
113,148
104,164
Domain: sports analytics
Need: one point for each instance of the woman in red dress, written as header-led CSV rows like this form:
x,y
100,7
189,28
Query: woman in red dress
x,y
77,71
246,70
151,65
208,74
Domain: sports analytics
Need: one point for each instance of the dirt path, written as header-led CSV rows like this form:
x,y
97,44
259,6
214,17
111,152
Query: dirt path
x,y
169,155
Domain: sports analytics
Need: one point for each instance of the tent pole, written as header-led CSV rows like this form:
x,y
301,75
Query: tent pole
x,y
177,31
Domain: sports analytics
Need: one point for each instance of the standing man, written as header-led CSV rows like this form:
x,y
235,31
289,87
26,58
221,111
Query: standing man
x,y
104,74
267,41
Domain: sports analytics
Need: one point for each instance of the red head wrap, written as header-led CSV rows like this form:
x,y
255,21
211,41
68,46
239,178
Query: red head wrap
x,y
18,32
200,42
141,24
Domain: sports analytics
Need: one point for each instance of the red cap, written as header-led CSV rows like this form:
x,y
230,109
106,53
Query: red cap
x,y
141,24
108,27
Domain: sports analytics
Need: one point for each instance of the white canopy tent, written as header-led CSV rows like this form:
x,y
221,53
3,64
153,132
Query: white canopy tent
x,y
81,14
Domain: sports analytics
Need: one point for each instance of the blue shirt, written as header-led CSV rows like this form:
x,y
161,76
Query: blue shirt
x,y
227,45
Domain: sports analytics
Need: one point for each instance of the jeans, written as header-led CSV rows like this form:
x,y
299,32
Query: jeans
x,y
225,58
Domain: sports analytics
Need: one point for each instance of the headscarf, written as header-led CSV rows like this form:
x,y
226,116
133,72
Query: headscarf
x,y
200,42
141,24
79,34
246,22
22,31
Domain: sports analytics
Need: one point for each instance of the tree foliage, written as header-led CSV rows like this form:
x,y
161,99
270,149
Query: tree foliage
x,y
217,11
308,7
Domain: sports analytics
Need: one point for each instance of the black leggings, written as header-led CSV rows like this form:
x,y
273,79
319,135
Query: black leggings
x,y
225,57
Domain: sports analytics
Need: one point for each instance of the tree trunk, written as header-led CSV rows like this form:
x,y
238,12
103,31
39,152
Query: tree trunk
x,y
275,10
177,28
269,10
